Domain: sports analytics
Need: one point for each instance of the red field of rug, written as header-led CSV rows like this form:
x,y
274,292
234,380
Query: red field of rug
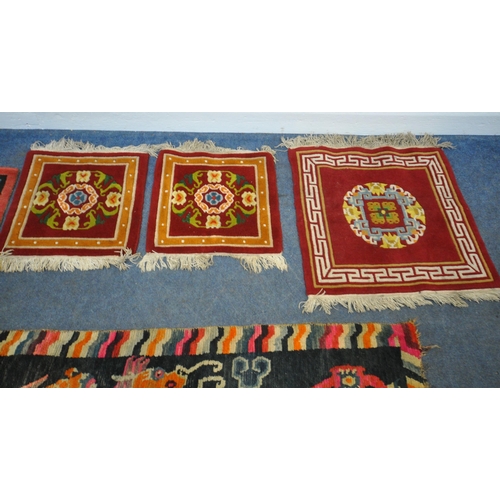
x,y
386,227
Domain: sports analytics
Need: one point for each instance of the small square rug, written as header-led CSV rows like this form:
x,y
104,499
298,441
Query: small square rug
x,y
383,224
8,178
75,210
208,201
258,356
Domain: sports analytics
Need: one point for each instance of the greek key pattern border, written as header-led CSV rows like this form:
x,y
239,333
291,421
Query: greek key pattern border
x,y
328,274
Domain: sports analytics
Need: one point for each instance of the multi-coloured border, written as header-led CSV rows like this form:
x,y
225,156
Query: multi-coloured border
x,y
217,341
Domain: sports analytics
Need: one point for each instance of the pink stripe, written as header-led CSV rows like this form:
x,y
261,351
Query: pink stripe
x,y
332,334
178,348
254,337
400,335
102,350
47,341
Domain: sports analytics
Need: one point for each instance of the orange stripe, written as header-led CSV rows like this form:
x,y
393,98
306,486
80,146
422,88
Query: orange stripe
x,y
6,347
152,346
367,336
78,348
298,337
226,345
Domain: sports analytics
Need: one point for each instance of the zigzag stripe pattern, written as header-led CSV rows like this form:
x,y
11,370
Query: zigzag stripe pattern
x,y
213,340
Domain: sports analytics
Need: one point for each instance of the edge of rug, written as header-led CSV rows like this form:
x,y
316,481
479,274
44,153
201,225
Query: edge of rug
x,y
417,361
195,146
394,302
71,146
67,145
188,262
403,140
18,263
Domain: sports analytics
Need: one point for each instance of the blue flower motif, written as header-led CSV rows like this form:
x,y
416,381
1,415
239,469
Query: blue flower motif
x,y
214,198
77,198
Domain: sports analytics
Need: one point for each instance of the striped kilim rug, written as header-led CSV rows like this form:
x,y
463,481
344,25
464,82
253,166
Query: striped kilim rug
x,y
305,355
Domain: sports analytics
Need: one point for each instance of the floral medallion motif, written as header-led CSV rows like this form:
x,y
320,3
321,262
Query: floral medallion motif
x,y
214,199
77,200
382,215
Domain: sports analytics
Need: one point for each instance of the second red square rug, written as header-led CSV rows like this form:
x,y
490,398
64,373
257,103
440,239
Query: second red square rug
x,y
213,201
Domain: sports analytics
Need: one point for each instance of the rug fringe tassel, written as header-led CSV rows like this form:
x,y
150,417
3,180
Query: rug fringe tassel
x,y
256,263
394,302
17,263
153,261
71,146
253,263
196,145
404,140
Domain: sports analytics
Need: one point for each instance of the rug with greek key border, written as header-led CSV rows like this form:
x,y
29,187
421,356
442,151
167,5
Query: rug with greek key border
x,y
258,356
75,211
385,227
213,201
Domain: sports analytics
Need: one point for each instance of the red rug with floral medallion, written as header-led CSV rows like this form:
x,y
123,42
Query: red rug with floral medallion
x,y
214,201
75,210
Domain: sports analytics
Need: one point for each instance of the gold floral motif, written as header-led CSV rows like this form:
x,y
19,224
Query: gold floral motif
x,y
249,199
390,240
213,222
351,213
214,176
41,198
376,188
113,199
71,223
178,197
83,176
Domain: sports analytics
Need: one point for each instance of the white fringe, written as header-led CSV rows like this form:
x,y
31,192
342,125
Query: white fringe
x,y
251,262
395,301
255,263
196,145
404,140
71,146
153,261
17,263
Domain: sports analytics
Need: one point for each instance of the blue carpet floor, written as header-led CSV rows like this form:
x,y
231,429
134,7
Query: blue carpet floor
x,y
468,339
